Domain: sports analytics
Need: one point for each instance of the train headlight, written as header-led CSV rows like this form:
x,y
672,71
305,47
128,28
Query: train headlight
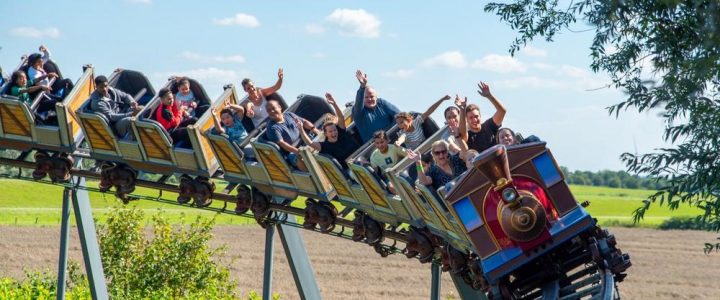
x,y
509,194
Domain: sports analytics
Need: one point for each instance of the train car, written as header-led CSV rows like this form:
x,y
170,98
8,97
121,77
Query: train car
x,y
102,141
266,170
426,209
373,196
162,155
21,128
526,226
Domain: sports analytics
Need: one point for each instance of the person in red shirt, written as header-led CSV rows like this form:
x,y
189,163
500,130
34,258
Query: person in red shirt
x,y
175,121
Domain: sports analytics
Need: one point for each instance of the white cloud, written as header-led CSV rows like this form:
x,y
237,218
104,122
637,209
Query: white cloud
x,y
314,29
239,19
401,73
140,1
318,55
499,64
533,82
532,51
35,33
221,59
355,22
543,66
571,71
450,59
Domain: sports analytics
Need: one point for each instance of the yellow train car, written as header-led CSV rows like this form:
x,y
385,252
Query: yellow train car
x,y
20,130
232,158
102,141
161,154
425,206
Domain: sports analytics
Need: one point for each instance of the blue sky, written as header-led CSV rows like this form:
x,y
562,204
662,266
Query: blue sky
x,y
414,52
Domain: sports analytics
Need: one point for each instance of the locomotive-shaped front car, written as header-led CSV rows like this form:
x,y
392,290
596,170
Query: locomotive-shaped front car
x,y
525,224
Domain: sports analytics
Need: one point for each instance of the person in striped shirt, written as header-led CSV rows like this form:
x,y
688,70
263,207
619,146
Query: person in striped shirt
x,y
411,133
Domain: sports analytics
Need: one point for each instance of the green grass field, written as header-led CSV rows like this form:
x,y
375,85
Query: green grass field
x,y
28,203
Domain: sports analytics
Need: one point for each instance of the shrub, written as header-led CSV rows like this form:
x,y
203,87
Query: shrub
x,y
172,262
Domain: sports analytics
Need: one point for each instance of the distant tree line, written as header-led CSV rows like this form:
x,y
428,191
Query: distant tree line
x,y
614,179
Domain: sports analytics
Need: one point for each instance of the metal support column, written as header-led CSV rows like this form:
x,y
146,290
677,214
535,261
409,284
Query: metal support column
x,y
299,262
435,282
88,240
64,239
268,270
465,291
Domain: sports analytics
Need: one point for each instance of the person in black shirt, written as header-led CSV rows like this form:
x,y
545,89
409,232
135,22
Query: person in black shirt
x,y
480,136
338,143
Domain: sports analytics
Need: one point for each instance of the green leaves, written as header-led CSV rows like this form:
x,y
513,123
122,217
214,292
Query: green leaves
x,y
665,57
172,262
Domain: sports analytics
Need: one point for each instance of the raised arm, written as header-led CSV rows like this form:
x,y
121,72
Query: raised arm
x,y
463,119
338,110
306,139
362,78
416,157
499,116
46,53
216,120
433,107
239,110
276,87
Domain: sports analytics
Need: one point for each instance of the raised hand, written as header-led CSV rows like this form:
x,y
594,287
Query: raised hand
x,y
42,48
280,73
484,90
412,155
330,99
249,112
460,102
361,77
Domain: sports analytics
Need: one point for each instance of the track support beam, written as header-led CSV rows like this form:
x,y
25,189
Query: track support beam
x,y
435,282
88,240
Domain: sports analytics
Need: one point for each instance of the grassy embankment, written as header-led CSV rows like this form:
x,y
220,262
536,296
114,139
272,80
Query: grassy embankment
x,y
33,204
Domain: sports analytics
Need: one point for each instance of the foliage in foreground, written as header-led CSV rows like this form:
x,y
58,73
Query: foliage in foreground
x,y
175,262
664,56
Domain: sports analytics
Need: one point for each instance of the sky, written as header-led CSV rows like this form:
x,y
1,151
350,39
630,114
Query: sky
x,y
414,52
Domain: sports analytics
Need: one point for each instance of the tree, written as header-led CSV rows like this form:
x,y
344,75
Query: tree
x,y
664,54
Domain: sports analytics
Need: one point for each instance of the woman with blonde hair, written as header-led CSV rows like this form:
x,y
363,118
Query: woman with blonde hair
x,y
446,167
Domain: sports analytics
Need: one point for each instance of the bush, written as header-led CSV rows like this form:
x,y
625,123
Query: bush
x,y
43,285
173,262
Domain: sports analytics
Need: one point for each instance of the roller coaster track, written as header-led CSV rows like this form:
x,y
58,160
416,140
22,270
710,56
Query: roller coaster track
x,y
343,225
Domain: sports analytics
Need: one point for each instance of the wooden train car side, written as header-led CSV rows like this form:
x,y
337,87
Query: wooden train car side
x,y
102,141
159,150
19,130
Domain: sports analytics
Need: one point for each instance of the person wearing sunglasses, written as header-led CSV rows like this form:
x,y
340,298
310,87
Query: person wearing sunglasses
x,y
446,167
